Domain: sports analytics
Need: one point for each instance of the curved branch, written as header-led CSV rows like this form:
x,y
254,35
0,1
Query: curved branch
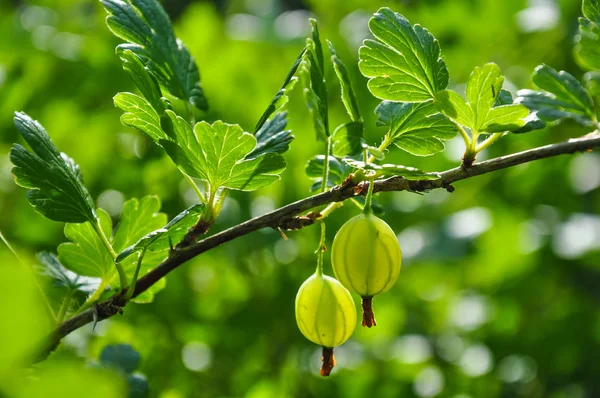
x,y
287,217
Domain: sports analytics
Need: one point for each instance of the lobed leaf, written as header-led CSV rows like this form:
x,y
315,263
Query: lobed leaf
x,y
563,97
404,63
217,154
338,171
417,128
149,33
64,278
138,218
171,234
140,115
587,49
348,96
315,90
86,254
281,98
272,137
54,183
487,108
347,139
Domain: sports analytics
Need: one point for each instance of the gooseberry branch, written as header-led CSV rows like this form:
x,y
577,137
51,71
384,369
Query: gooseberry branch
x,y
290,217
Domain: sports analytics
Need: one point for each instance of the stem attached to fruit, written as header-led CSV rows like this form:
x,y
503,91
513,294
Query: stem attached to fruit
x,y
328,361
368,315
321,250
369,199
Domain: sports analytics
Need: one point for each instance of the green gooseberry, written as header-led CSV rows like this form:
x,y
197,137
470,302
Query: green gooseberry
x,y
325,314
366,258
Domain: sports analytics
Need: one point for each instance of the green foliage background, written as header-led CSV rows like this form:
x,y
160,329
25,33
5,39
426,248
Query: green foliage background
x,y
498,295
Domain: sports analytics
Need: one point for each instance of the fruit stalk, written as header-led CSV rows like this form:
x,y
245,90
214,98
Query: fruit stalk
x,y
328,361
367,309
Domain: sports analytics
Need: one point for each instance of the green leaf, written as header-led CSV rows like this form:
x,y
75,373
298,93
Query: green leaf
x,y
149,33
392,170
592,82
532,122
347,139
338,171
281,98
504,98
312,67
348,95
121,356
217,154
140,115
417,128
54,183
272,137
62,278
488,108
404,63
143,79
138,218
162,238
563,97
86,254
483,87
587,49
453,105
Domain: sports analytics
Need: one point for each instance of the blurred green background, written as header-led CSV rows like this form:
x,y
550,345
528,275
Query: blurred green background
x,y
499,292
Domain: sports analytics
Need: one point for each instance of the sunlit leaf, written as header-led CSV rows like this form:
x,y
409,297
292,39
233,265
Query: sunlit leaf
x,y
281,98
563,97
315,91
54,183
487,108
85,254
138,218
172,233
418,128
216,154
149,33
404,62
348,95
338,171
587,50
140,114
347,139
272,137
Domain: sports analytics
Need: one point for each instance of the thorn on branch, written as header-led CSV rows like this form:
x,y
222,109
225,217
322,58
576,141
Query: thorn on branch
x,y
283,235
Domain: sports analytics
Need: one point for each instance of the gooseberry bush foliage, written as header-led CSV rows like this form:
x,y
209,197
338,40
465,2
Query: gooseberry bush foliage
x,y
101,266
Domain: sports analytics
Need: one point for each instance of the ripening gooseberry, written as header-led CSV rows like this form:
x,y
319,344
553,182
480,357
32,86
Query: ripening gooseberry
x,y
366,259
325,314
